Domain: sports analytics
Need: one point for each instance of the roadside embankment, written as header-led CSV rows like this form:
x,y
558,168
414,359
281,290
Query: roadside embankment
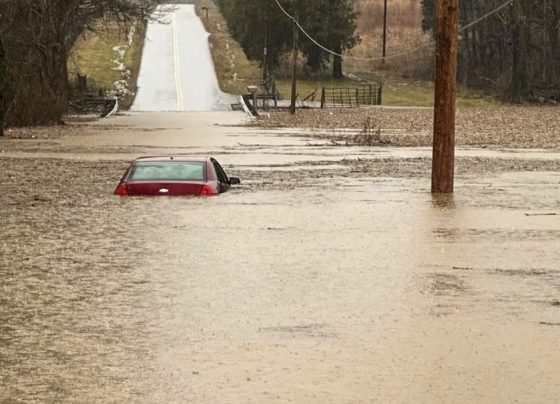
x,y
235,72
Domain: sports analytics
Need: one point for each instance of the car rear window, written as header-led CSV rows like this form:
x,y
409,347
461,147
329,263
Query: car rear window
x,y
168,171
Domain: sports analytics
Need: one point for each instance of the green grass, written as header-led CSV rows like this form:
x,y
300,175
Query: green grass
x,y
395,93
93,56
421,94
408,94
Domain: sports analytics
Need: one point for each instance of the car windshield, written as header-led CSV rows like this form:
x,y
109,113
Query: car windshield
x,y
168,171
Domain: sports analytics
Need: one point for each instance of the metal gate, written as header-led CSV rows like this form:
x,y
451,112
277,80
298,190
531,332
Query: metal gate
x,y
350,97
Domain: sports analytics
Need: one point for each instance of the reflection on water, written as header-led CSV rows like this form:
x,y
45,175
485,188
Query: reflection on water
x,y
443,201
372,291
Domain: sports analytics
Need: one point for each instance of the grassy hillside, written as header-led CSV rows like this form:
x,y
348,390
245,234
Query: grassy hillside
x,y
94,55
235,72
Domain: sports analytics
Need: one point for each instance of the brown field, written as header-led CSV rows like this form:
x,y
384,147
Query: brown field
x,y
404,32
400,14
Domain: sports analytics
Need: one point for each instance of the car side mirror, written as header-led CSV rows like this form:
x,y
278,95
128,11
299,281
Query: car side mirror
x,y
234,181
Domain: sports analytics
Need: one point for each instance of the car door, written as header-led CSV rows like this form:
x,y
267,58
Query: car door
x,y
223,180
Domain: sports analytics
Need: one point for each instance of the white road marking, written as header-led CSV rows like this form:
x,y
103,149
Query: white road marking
x,y
177,72
177,62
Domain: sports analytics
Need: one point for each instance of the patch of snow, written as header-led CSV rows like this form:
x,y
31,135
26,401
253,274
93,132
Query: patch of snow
x,y
121,87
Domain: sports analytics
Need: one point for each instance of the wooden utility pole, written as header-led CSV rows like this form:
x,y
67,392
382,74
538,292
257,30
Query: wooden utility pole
x,y
204,6
265,53
384,31
294,69
545,45
2,81
519,52
443,165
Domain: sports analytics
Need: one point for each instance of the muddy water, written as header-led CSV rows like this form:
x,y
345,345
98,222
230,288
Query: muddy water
x,y
287,289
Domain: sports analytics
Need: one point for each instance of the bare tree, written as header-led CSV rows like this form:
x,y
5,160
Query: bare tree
x,y
516,49
38,36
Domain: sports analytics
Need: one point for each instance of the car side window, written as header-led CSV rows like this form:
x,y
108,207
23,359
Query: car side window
x,y
222,177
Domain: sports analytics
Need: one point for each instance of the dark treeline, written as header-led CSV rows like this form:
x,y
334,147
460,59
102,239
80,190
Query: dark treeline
x,y
36,37
256,23
516,51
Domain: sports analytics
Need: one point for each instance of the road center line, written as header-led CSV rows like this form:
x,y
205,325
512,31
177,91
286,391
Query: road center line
x,y
177,62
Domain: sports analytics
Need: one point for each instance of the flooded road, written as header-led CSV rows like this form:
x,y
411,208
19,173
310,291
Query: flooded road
x,y
312,282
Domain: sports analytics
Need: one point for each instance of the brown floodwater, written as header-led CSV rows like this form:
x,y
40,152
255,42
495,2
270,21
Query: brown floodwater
x,y
291,288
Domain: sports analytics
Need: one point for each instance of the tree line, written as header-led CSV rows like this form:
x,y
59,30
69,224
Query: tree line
x,y
259,24
516,51
36,37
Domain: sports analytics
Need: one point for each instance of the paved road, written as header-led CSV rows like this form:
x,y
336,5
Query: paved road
x,y
177,72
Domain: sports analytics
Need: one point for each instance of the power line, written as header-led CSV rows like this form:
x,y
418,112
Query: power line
x,y
485,16
310,37
395,55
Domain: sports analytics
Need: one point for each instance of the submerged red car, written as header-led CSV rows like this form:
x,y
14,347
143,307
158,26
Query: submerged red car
x,y
175,176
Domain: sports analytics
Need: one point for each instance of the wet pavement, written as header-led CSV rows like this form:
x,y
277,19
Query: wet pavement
x,y
330,275
177,72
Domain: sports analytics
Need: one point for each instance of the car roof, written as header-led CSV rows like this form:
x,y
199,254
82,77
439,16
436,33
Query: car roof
x,y
198,159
